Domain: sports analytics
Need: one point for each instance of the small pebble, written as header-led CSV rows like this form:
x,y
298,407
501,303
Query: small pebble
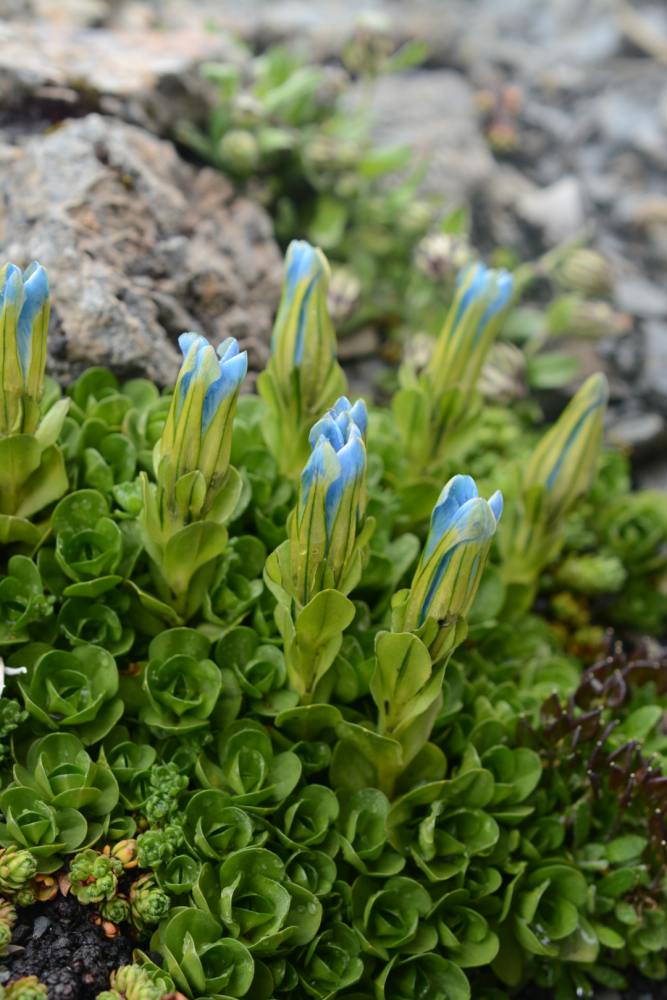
x,y
40,926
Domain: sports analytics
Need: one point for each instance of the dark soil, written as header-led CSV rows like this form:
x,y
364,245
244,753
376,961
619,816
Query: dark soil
x,y
58,943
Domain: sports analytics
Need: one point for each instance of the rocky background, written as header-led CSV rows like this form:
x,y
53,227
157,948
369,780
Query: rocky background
x,y
141,245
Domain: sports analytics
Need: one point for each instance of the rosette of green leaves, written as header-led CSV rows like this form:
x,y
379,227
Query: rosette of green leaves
x,y
464,932
111,430
395,753
634,527
260,670
516,774
74,691
60,771
391,916
428,977
214,828
98,454
130,765
98,622
248,770
44,830
22,602
182,684
442,825
307,818
312,870
200,960
544,914
93,552
236,586
331,961
256,902
363,835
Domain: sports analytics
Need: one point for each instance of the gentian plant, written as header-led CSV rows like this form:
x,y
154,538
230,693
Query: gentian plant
x,y
277,698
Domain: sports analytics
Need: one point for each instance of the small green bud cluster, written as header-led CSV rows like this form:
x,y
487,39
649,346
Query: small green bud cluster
x,y
94,876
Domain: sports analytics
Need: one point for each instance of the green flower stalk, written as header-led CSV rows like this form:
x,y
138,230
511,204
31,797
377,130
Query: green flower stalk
x,y
428,622
437,411
557,477
322,561
197,489
148,903
302,377
32,470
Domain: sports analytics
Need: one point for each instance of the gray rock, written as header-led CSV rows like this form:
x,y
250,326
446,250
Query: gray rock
x,y
644,433
361,344
148,77
433,112
139,247
557,210
640,297
654,379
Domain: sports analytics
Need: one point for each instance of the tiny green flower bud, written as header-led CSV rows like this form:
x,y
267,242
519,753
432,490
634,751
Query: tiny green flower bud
x,y
586,271
239,150
16,867
116,909
570,315
148,903
439,254
126,852
367,51
503,375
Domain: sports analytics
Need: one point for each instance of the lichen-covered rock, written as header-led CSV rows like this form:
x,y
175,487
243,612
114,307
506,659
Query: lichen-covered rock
x,y
139,247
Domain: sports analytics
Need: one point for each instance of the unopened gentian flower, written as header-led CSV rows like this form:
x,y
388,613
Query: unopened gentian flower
x,y
303,335
24,321
302,377
564,461
198,431
330,496
448,575
470,328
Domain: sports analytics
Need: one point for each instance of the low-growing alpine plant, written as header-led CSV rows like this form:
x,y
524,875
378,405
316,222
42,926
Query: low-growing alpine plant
x,y
278,700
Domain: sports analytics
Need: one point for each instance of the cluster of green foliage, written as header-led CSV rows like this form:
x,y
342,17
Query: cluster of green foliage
x,y
262,656
298,137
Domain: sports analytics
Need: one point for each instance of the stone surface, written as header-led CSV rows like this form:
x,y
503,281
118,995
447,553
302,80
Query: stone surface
x,y
433,113
148,77
557,210
139,247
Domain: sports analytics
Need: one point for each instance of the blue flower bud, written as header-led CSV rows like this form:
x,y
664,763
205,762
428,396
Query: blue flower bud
x,y
303,335
564,461
470,328
24,321
448,575
198,429
330,497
